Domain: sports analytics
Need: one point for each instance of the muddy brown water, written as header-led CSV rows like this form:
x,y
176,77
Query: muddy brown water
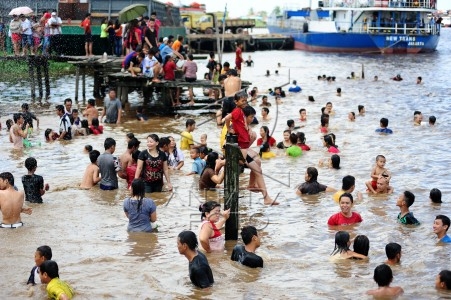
x,y
87,228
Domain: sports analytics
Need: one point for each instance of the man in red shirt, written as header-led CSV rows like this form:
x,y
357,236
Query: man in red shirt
x,y
239,57
86,24
345,216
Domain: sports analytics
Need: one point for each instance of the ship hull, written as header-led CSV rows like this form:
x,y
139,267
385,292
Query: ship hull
x,y
360,42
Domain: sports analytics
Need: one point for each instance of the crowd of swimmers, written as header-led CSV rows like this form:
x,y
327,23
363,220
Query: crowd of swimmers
x,y
147,171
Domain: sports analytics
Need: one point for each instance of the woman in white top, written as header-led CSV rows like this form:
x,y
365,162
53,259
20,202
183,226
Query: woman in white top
x,y
175,157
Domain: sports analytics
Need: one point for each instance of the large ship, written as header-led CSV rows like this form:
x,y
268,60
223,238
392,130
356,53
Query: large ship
x,y
361,26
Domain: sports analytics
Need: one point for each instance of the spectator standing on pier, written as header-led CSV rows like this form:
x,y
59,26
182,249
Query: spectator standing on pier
x,y
45,46
239,57
54,25
27,35
86,24
150,36
104,35
153,15
133,36
117,38
15,27
2,35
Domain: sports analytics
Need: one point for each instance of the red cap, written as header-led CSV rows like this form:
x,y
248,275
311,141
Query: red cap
x,y
47,15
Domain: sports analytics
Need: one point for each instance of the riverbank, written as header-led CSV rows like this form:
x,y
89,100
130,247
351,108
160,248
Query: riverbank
x,y
14,70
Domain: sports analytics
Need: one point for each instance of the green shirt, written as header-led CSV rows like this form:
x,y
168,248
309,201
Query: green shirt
x,y
103,33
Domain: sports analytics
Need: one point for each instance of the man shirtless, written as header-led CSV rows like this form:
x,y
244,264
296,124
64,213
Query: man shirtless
x,y
383,187
11,202
16,134
126,158
91,111
232,84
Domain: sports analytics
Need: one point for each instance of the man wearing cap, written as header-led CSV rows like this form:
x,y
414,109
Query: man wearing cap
x,y
164,43
27,35
15,27
54,25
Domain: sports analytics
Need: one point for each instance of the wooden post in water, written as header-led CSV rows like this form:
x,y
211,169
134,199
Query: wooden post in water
x,y
45,64
39,77
31,65
77,80
83,84
231,186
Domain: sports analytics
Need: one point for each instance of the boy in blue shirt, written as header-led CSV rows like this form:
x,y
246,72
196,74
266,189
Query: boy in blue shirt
x,y
198,163
384,125
440,227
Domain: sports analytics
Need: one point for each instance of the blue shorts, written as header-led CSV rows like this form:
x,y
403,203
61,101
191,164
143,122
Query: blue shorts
x,y
27,40
107,187
46,42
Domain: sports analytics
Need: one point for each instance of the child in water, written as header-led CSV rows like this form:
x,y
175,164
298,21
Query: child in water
x,y
91,176
329,143
378,171
383,276
56,288
50,135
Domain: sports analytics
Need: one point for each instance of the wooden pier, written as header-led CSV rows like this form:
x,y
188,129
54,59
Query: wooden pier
x,y
159,95
203,43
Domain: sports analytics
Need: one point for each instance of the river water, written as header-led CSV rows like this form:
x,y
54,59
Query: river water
x,y
87,228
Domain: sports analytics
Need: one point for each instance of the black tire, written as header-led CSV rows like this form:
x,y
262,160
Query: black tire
x,y
239,30
209,31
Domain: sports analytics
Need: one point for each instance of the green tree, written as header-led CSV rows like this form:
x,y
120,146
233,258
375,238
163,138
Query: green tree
x,y
251,12
276,11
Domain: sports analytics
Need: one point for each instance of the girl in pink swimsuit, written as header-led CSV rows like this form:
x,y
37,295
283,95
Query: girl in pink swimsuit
x,y
210,237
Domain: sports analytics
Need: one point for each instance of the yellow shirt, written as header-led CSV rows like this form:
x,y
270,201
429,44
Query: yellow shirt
x,y
56,287
187,140
337,195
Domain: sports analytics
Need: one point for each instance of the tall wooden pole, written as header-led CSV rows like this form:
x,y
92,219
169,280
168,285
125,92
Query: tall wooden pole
x,y
31,65
231,186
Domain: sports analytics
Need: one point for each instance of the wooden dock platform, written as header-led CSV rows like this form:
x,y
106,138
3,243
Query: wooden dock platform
x,y
158,95
203,43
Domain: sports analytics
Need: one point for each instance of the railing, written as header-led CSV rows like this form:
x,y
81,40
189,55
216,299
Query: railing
x,y
296,26
429,4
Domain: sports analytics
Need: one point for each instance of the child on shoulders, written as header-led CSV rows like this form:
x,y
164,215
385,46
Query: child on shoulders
x,y
378,171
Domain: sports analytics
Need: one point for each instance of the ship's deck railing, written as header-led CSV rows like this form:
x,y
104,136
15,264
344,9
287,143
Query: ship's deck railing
x,y
429,4
428,29
363,27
